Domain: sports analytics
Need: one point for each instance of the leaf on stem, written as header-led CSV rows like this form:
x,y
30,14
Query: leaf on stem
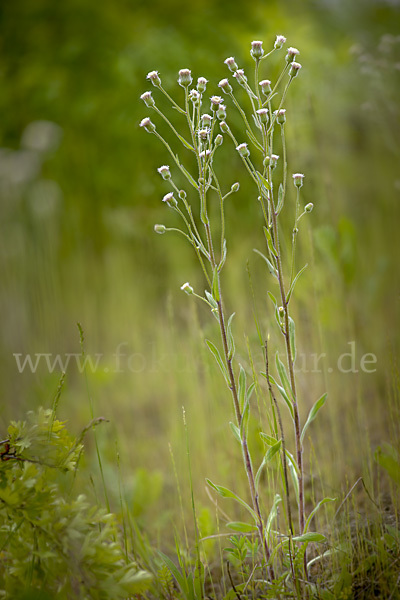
x,y
236,431
231,340
270,243
272,514
264,185
282,392
310,537
292,338
283,376
215,285
281,200
218,358
226,493
294,283
241,527
270,266
315,510
312,414
242,387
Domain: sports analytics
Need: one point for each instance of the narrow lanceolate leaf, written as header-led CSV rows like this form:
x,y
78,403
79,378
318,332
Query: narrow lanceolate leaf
x,y
268,439
281,200
218,358
295,479
283,376
223,257
180,579
241,527
215,285
231,341
242,387
211,300
264,183
273,450
186,173
185,143
270,243
282,392
245,416
312,414
294,283
270,266
273,513
273,299
226,493
316,509
310,537
236,431
292,338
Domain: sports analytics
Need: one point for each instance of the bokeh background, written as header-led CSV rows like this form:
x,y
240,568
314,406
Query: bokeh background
x,y
79,195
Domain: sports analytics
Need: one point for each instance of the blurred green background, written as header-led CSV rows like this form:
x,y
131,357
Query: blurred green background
x,y
79,195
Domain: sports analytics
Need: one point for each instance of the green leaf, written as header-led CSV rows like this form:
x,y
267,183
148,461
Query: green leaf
x,y
272,514
282,392
218,358
389,461
294,283
242,387
310,537
264,185
315,510
231,340
226,493
186,173
295,479
180,578
236,431
270,266
280,200
273,299
241,527
273,450
283,376
312,414
270,243
268,439
215,286
292,338
211,300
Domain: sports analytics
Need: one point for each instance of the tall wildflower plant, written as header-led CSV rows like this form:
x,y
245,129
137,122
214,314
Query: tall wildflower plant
x,y
284,552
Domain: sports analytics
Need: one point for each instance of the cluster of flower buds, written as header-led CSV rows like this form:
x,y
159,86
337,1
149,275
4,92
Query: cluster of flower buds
x,y
195,97
271,161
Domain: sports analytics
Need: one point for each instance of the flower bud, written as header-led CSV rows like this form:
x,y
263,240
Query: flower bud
x,y
203,134
205,154
298,179
235,187
271,161
218,140
231,64
225,86
182,194
154,78
187,288
224,127
206,120
185,78
215,102
240,77
308,207
257,51
263,114
291,54
281,116
294,69
195,97
160,228
221,112
266,86
164,172
243,150
281,312
201,85
170,200
148,125
148,99
280,40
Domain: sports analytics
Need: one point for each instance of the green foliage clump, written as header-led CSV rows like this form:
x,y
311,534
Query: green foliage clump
x,y
53,545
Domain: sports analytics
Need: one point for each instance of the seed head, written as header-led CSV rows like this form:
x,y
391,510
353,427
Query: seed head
x,y
221,112
231,64
148,125
215,102
257,51
187,288
164,172
170,199
240,76
266,86
148,99
154,78
263,113
281,116
206,120
291,54
160,228
280,40
185,77
298,179
201,84
225,86
243,150
294,69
